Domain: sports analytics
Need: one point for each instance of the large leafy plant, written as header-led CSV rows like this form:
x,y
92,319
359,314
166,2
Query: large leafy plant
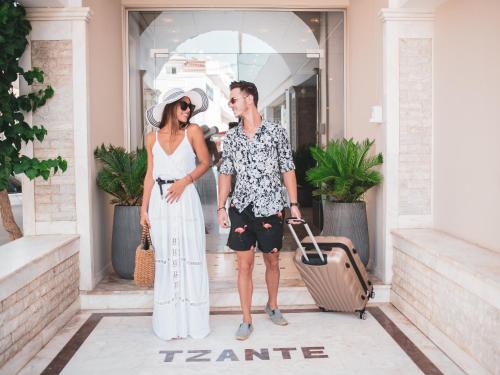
x,y
122,174
303,162
14,130
344,170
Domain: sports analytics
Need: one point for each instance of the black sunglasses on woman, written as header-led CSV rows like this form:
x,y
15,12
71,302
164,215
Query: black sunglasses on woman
x,y
184,105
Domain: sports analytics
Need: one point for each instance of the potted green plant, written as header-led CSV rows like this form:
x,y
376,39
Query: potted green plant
x,y
303,161
344,173
122,176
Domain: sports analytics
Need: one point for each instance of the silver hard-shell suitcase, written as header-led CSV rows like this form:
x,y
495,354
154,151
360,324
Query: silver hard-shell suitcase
x,y
332,272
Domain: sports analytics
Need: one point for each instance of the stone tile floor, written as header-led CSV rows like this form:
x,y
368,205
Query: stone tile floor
x,y
313,342
122,342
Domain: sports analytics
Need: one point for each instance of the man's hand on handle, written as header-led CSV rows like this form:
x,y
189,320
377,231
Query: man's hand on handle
x,y
295,212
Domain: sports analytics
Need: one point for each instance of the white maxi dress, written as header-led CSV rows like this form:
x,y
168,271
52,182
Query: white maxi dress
x,y
181,305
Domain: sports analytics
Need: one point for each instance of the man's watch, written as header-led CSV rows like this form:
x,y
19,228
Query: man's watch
x,y
294,204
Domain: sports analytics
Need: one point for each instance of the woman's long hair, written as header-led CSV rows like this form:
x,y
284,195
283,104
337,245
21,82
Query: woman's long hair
x,y
170,116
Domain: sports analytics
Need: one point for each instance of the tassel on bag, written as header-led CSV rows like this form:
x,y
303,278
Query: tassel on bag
x,y
144,272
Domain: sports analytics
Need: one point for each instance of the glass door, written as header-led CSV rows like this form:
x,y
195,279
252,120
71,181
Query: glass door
x,y
288,95
296,60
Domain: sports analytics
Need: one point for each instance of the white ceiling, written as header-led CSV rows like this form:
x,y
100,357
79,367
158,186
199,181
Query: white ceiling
x,y
268,48
284,32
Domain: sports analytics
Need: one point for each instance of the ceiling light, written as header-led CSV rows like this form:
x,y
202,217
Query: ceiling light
x,y
315,20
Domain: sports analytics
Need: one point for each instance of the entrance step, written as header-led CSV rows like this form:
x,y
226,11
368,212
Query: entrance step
x,y
289,297
115,293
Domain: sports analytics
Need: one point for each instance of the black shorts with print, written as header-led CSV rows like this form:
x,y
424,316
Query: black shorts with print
x,y
247,230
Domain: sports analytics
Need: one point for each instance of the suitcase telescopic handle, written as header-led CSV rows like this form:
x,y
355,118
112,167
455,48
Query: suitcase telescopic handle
x,y
298,220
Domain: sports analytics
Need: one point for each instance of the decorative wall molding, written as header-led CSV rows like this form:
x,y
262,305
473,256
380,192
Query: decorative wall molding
x,y
238,4
388,14
58,14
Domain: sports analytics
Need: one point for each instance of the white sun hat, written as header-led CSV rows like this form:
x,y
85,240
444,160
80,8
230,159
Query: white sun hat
x,y
197,96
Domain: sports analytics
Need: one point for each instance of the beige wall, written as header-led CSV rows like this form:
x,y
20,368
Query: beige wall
x,y
364,89
466,121
106,110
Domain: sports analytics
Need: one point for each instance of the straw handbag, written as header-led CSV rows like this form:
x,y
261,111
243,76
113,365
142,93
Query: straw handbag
x,y
144,273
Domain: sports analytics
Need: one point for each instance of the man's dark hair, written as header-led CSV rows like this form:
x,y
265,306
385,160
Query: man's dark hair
x,y
248,88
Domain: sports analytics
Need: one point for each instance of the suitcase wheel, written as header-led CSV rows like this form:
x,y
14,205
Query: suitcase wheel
x,y
363,315
372,294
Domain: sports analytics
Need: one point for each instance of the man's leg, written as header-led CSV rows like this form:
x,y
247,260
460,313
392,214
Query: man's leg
x,y
272,280
245,283
271,261
270,240
242,240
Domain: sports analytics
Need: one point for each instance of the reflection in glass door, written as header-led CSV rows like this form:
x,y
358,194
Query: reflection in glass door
x,y
283,53
294,106
287,84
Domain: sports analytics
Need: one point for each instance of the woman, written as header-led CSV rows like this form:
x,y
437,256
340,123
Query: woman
x,y
171,209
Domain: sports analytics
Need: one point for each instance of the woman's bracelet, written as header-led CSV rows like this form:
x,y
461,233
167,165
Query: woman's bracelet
x,y
191,177
221,208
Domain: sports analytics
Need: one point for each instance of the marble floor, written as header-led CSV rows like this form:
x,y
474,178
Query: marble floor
x,y
107,340
313,342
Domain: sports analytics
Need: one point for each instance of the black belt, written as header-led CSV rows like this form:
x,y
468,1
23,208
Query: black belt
x,y
162,182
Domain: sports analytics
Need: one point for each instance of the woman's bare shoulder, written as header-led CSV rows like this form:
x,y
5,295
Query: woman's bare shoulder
x,y
194,130
150,138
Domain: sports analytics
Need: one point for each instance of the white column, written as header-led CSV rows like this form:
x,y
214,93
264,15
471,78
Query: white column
x,y
69,208
407,84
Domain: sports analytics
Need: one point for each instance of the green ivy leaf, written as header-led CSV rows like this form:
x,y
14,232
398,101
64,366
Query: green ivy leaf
x,y
45,174
14,30
31,173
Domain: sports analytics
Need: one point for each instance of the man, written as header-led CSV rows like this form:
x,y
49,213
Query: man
x,y
258,153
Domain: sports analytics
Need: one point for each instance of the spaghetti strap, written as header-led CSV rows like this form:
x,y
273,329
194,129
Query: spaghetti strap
x,y
186,138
